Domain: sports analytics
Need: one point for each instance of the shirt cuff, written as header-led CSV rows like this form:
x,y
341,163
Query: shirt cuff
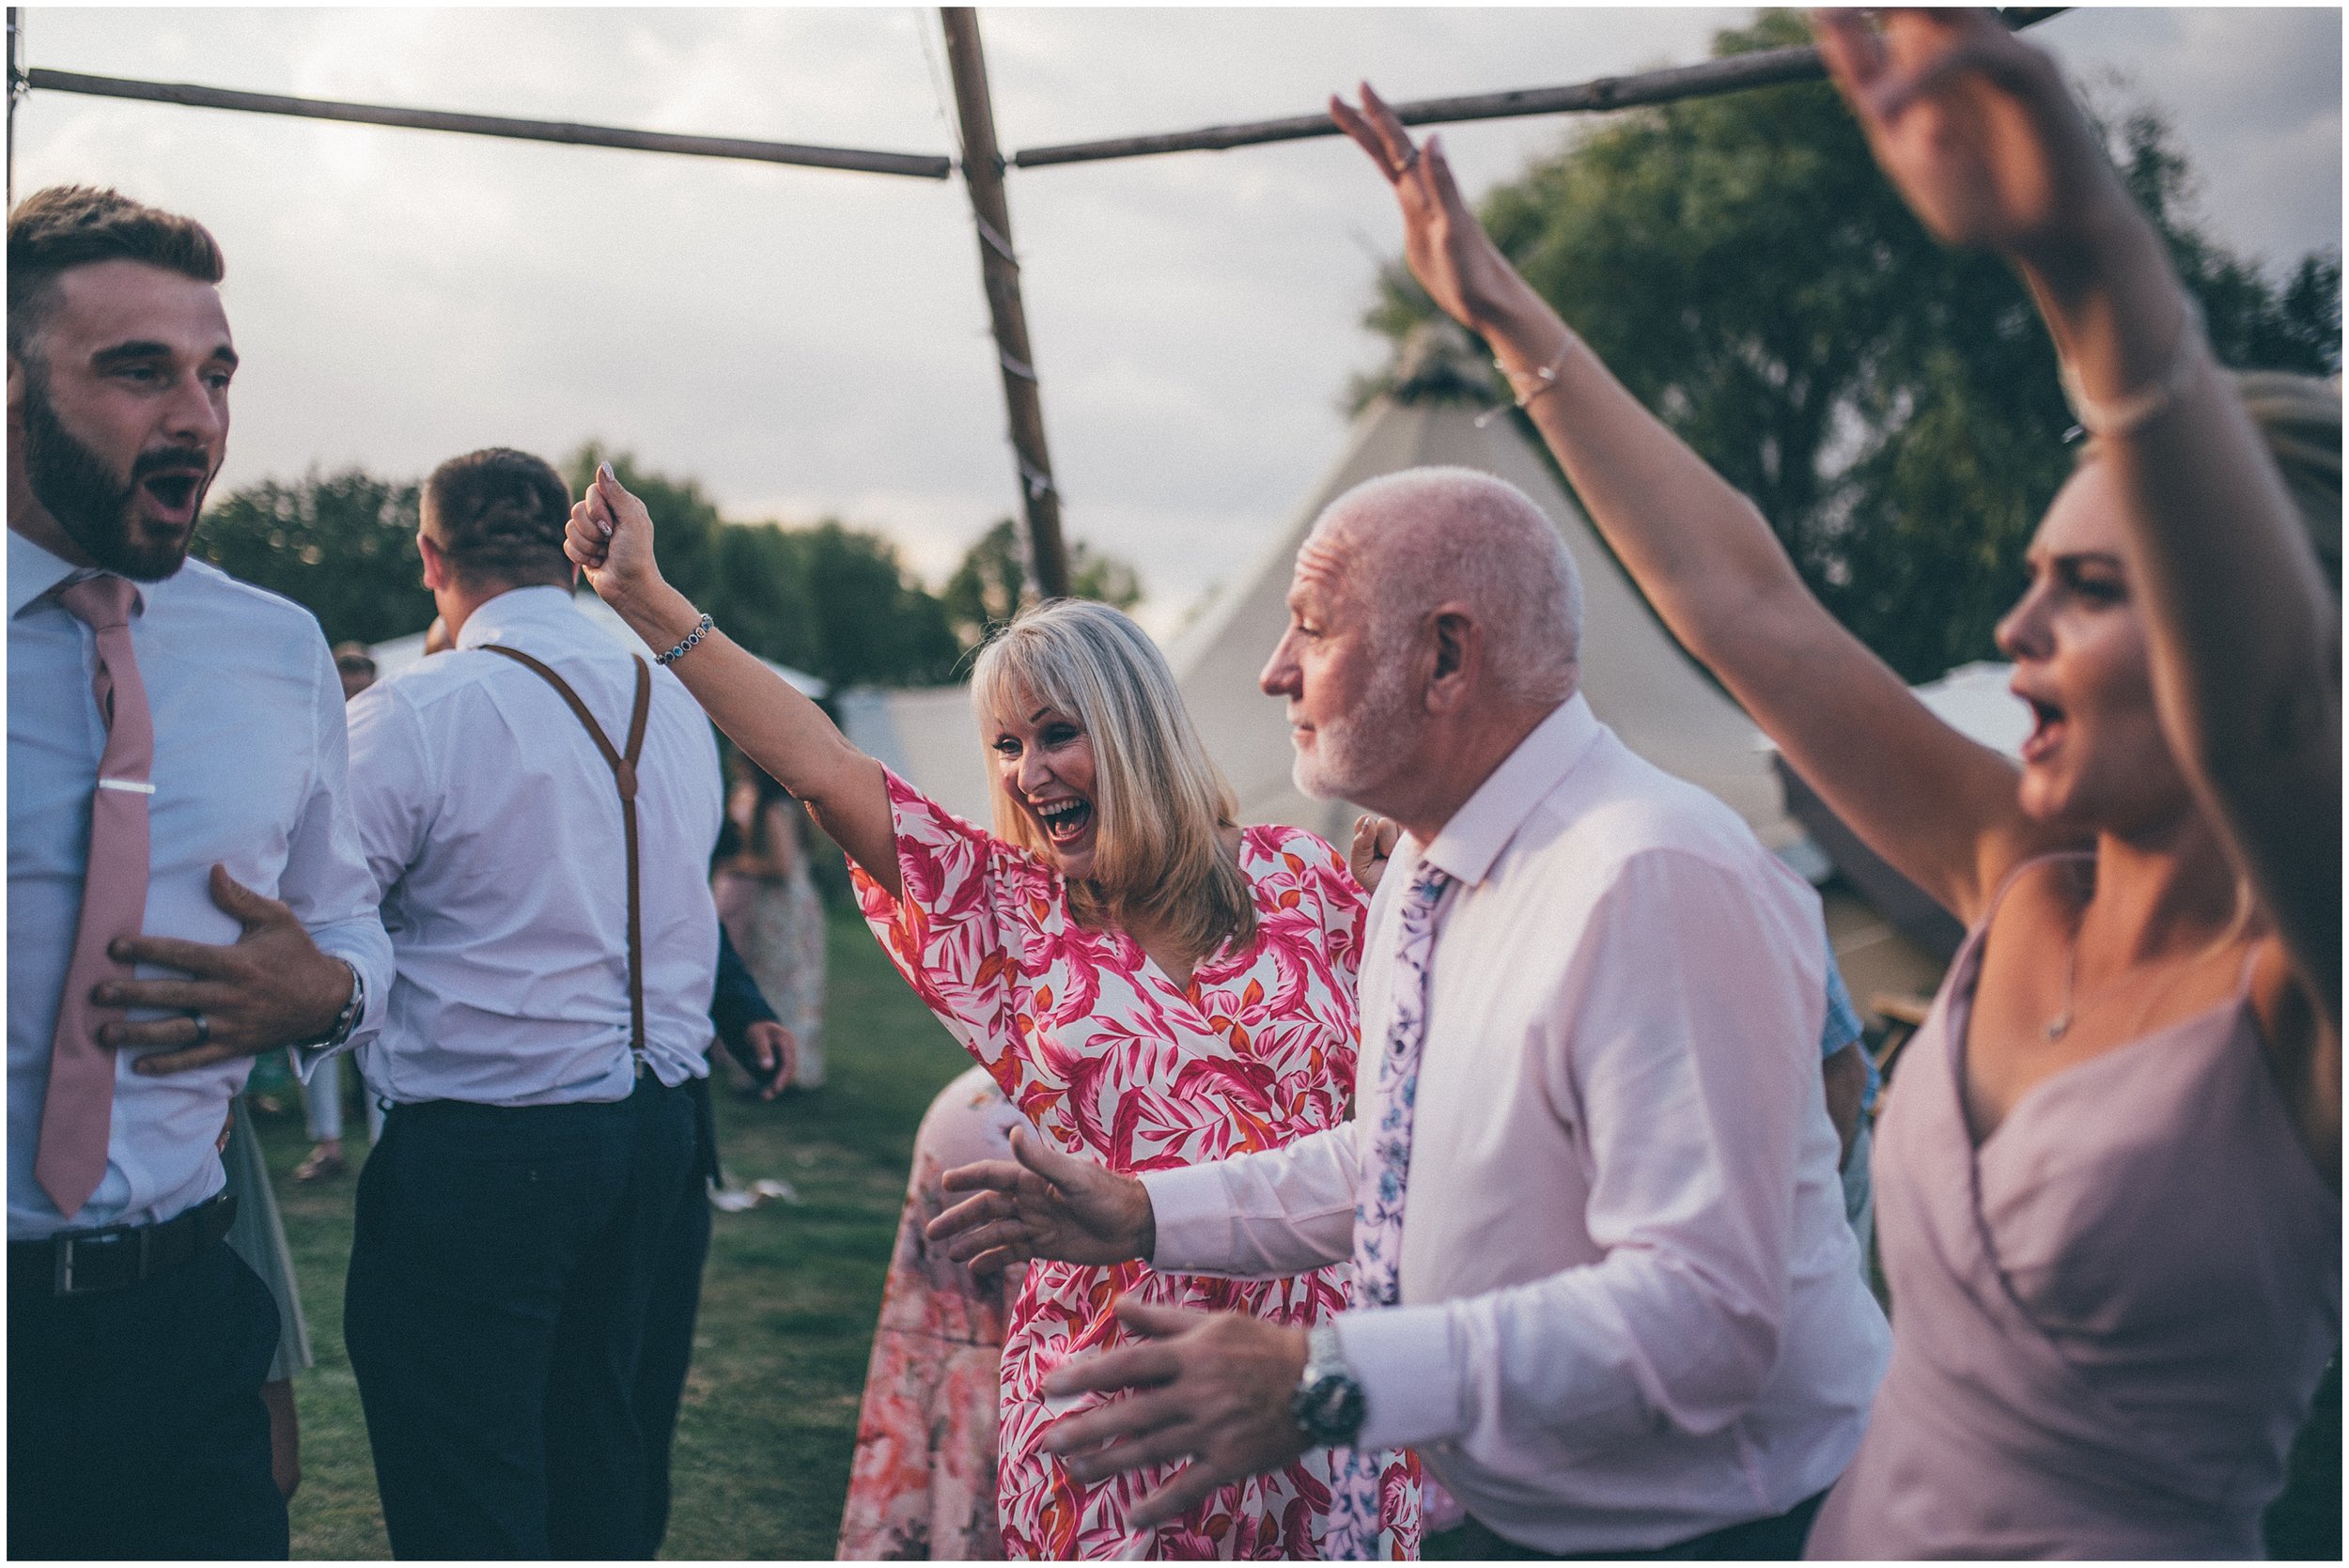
x,y
306,1058
1192,1212
1404,1359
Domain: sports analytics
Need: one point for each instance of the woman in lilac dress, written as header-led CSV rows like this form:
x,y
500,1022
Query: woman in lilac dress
x,y
2108,1175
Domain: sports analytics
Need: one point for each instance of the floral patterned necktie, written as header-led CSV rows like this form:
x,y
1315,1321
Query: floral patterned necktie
x,y
1378,1195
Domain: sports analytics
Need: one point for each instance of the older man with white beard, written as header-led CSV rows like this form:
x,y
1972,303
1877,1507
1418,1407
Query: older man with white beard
x,y
1622,1312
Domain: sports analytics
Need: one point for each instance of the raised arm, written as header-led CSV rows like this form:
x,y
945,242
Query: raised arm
x,y
1932,802
776,725
1976,129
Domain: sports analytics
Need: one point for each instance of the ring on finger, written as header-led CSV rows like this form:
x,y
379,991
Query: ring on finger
x,y
203,1028
1410,160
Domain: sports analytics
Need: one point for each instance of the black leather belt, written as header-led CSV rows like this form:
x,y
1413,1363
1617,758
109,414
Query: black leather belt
x,y
82,1263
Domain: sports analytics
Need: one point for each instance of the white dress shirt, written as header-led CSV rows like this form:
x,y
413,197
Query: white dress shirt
x,y
492,828
249,774
1631,1307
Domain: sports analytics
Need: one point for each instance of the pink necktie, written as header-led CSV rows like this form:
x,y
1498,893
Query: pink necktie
x,y
74,1120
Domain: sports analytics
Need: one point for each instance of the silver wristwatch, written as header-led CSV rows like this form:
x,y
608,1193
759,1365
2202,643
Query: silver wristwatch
x,y
346,1020
1328,1405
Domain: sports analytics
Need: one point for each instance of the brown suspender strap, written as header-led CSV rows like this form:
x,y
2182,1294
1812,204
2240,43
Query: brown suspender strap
x,y
623,765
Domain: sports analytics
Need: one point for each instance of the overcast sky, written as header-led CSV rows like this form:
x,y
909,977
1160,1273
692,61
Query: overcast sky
x,y
810,342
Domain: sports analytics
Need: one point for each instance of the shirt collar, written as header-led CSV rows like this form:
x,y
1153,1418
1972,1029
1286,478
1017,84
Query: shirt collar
x,y
516,607
35,572
1468,843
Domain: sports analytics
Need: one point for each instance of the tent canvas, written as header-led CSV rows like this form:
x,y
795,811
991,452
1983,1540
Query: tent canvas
x,y
1637,678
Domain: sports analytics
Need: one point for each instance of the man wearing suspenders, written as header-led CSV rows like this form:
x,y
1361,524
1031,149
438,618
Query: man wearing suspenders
x,y
538,808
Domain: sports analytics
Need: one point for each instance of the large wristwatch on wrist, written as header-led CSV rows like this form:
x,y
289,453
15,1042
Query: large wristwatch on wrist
x,y
1328,1405
346,1020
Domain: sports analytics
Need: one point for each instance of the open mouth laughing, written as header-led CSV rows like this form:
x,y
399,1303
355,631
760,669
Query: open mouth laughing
x,y
1064,821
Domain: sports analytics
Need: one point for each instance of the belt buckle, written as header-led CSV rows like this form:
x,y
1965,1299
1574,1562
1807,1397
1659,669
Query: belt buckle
x,y
69,1250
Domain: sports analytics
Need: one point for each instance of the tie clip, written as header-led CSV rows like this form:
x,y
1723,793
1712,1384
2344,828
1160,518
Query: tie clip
x,y
132,785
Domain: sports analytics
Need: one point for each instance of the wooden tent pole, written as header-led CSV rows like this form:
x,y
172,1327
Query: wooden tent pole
x,y
1762,67
16,90
999,268
918,165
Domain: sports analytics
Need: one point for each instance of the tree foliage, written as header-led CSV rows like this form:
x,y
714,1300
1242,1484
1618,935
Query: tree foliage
x,y
833,600
1890,406
991,584
342,545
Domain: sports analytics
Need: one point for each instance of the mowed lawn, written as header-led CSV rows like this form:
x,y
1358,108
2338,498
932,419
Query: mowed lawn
x,y
788,1304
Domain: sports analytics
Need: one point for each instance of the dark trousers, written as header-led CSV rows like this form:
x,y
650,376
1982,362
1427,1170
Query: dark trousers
x,y
669,1318
503,1269
1776,1539
135,1423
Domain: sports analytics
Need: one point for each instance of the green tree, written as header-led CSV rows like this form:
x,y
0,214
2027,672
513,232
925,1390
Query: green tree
x,y
341,545
832,601
991,584
1890,406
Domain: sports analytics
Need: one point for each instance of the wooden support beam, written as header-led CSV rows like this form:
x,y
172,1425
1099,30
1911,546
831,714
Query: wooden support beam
x,y
16,90
999,267
1762,67
918,165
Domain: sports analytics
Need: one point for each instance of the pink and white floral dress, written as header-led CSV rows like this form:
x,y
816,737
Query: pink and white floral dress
x,y
1107,1057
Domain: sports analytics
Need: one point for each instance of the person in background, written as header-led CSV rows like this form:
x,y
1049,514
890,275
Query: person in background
x,y
537,807
768,904
185,890
922,1486
2107,1173
1149,983
355,666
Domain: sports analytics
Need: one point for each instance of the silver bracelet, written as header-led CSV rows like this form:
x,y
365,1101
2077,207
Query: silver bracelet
x,y
2130,410
692,639
1545,377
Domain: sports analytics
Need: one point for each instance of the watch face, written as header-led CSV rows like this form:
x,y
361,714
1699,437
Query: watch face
x,y
1330,1409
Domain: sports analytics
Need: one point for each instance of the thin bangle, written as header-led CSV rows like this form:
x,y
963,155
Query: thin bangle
x,y
690,640
1547,377
2127,412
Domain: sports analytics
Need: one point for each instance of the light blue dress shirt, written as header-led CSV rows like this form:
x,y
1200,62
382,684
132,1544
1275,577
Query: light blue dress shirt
x,y
249,773
493,833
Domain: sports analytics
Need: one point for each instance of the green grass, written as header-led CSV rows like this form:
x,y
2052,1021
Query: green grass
x,y
788,1302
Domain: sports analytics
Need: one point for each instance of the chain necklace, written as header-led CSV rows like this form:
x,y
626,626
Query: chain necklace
x,y
2060,1025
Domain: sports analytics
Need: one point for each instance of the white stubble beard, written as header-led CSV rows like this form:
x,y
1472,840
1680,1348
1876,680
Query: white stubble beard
x,y
1348,752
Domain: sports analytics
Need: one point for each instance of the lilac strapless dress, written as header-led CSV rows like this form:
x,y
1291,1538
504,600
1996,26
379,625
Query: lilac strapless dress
x,y
2107,1320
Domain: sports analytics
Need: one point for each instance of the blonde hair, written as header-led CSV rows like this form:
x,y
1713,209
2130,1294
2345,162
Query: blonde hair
x,y
1159,803
2299,419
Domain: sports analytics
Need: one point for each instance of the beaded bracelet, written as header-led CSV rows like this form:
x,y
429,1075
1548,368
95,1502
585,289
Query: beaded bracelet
x,y
692,639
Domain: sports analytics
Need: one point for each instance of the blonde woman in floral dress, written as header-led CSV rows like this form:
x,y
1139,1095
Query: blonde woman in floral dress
x,y
1150,985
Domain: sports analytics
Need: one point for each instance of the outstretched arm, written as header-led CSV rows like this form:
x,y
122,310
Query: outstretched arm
x,y
1976,129
1930,801
1042,1204
777,726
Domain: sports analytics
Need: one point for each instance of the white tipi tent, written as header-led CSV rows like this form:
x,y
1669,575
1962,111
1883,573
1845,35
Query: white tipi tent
x,y
1637,678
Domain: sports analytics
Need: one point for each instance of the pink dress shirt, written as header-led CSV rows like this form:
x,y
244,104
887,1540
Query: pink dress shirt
x,y
1631,1307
